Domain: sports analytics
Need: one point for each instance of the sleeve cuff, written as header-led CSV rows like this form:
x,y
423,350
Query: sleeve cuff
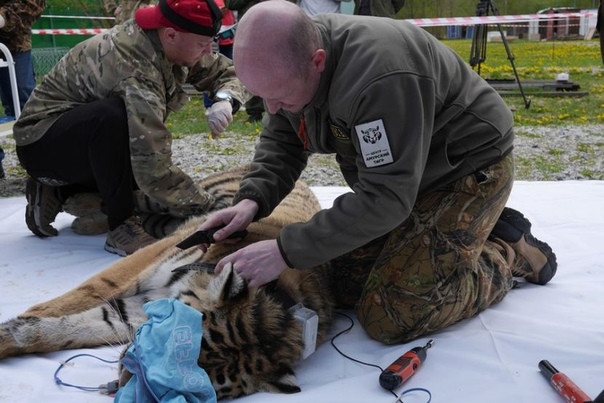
x,y
283,255
261,207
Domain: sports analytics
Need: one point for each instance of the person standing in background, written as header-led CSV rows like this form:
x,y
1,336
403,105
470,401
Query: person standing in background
x,y
240,6
16,19
225,41
313,7
255,106
378,8
125,9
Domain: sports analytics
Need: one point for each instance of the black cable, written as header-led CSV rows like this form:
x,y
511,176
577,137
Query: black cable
x,y
347,356
399,398
103,388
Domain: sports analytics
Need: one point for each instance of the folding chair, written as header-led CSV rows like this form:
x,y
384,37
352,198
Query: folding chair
x,y
6,127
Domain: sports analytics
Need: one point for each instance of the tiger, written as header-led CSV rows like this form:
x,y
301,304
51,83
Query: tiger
x,y
155,219
250,339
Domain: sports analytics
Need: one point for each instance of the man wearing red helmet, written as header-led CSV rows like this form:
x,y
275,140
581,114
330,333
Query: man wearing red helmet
x,y
97,120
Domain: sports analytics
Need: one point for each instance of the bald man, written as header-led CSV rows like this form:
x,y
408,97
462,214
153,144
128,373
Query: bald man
x,y
423,239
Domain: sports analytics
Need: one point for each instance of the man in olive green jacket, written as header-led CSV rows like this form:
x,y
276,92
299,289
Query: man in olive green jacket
x,y
98,119
423,238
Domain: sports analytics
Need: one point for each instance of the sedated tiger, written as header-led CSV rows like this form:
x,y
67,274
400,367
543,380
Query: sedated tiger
x,y
248,325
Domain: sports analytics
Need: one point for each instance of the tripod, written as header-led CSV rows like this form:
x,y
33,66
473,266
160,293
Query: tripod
x,y
478,53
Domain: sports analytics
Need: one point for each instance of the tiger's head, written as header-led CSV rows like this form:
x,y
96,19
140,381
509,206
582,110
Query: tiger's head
x,y
250,340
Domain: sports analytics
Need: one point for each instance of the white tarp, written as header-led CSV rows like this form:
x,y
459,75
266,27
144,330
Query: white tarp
x,y
492,357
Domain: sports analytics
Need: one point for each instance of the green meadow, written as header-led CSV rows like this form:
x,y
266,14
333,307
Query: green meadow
x,y
533,61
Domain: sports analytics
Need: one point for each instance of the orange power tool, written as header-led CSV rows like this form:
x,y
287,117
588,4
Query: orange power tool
x,y
404,367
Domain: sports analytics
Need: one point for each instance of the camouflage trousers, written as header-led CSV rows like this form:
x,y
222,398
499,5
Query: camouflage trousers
x,y
437,267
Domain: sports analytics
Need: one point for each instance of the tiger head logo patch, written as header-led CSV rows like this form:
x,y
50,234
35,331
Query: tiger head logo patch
x,y
374,144
372,134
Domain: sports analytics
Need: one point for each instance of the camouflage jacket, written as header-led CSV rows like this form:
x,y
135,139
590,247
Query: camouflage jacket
x,y
128,62
19,16
128,7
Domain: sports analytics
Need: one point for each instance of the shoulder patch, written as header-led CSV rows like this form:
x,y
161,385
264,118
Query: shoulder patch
x,y
338,132
374,143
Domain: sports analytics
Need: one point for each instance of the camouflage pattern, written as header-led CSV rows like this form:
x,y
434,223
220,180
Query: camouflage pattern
x,y
129,63
19,16
127,8
435,269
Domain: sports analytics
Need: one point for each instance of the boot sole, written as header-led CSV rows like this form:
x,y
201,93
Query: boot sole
x,y
117,251
516,227
548,271
32,213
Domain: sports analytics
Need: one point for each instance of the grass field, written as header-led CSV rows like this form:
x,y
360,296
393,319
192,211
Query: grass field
x,y
544,61
533,61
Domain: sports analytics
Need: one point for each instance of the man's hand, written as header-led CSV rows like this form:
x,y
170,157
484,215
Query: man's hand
x,y
258,263
235,218
219,116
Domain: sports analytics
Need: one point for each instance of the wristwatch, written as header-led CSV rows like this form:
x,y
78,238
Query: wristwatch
x,y
222,95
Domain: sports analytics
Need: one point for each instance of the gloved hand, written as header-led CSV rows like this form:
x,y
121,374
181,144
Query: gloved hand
x,y
219,116
2,21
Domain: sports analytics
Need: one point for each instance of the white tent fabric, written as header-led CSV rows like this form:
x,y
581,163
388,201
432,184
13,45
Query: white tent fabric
x,y
492,357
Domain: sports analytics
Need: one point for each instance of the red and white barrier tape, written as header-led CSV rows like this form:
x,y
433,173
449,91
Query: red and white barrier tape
x,y
421,22
495,19
76,17
76,31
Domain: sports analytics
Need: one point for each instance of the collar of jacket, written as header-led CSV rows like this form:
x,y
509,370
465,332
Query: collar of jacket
x,y
174,76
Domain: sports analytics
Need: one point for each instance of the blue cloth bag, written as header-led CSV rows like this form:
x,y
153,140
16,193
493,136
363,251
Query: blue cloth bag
x,y
163,358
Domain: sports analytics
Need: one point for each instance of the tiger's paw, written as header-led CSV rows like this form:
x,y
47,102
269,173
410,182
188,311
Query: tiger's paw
x,y
83,204
90,225
86,207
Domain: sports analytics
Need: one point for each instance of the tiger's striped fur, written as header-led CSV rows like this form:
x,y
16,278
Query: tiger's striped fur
x,y
250,340
159,223
156,220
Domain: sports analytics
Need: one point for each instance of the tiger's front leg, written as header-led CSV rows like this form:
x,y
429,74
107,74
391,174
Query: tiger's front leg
x,y
119,280
107,325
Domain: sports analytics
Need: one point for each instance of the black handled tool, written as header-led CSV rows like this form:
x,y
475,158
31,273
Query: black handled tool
x,y
199,266
206,236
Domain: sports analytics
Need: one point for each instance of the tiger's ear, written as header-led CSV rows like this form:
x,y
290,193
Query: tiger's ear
x,y
229,286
